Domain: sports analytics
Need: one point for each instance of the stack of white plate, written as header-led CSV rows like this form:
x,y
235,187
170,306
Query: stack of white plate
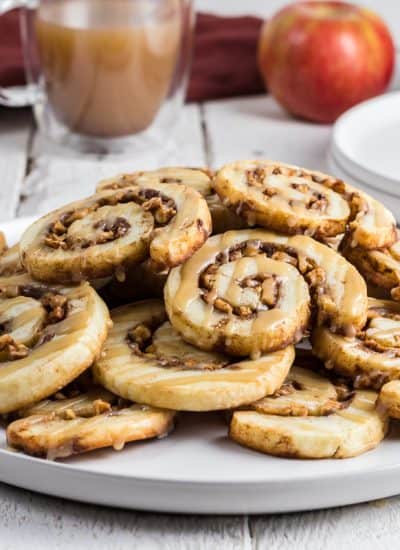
x,y
365,148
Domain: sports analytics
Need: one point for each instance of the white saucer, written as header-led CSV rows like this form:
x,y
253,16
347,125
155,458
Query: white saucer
x,y
197,469
366,143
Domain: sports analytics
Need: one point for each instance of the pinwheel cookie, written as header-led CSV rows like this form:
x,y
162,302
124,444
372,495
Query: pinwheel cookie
x,y
251,291
58,428
10,262
389,398
380,267
309,417
200,179
112,230
291,200
145,360
49,335
372,356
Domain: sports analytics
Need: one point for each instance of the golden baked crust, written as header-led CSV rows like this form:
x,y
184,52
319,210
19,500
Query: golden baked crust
x,y
61,428
380,267
50,336
389,398
310,417
250,291
10,262
293,200
200,179
372,356
145,360
115,229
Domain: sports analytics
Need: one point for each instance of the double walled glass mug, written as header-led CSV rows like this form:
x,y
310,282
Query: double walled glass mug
x,y
104,75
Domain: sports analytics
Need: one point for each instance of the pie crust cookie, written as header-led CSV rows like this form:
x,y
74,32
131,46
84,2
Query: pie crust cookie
x,y
372,356
251,291
379,267
292,200
49,336
112,230
64,427
200,179
389,398
310,418
145,360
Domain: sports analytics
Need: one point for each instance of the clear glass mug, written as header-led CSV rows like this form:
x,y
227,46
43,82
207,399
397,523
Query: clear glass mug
x,y
104,75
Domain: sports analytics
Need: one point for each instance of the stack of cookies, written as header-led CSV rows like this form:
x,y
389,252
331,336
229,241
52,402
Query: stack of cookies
x,y
185,290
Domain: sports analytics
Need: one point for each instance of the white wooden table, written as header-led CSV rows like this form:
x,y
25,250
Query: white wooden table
x,y
36,178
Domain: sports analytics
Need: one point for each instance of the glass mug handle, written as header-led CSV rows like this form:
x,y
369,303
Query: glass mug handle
x,y
17,96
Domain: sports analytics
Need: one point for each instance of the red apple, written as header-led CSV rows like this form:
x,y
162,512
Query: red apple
x,y
320,58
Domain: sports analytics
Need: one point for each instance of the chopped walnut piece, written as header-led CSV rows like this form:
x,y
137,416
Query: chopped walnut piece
x,y
56,306
12,348
316,277
55,241
256,177
280,256
139,335
100,406
286,389
207,278
244,311
222,305
270,191
162,210
302,187
269,295
317,202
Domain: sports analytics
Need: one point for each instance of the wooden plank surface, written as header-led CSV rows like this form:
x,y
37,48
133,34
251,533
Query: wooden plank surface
x,y
15,135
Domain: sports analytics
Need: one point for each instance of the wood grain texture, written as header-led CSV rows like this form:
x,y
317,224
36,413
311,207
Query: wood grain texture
x,y
256,127
15,132
371,526
28,519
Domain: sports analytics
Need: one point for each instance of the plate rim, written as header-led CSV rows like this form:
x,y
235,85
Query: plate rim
x,y
352,165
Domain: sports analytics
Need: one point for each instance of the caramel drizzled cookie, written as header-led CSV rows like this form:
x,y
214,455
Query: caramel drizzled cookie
x,y
380,267
112,230
389,398
61,427
293,200
309,417
48,336
145,360
10,262
251,291
372,356
200,179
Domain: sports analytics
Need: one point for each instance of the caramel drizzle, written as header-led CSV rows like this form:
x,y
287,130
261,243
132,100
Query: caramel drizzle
x,y
162,208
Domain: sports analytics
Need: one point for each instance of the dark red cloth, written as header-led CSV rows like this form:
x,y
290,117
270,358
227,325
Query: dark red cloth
x,y
225,57
11,62
224,62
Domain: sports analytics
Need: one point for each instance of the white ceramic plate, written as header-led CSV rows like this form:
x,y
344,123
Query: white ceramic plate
x,y
197,469
366,143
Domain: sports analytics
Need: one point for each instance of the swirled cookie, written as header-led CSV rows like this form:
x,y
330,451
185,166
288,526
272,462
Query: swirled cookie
x,y
49,335
250,291
379,267
310,418
10,262
200,179
372,356
145,360
61,428
389,398
291,200
112,230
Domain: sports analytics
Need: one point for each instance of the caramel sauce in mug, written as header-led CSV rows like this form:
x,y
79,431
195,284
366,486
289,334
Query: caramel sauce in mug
x,y
108,64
